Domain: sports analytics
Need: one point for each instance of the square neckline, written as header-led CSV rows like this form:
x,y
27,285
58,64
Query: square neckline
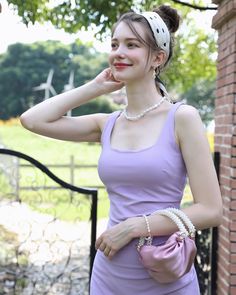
x,y
145,148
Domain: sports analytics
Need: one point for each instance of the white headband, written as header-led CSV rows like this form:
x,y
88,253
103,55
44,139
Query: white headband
x,y
159,29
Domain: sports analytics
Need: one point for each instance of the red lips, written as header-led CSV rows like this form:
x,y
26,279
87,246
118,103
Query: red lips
x,y
119,64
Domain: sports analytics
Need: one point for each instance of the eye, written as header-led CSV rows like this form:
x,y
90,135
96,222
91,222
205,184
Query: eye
x,y
131,45
114,45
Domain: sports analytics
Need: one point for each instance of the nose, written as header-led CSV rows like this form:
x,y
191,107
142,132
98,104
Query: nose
x,y
120,52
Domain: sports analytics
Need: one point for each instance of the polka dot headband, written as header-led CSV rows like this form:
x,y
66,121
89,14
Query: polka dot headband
x,y
159,29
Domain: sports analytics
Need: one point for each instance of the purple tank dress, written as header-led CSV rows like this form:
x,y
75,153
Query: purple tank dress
x,y
139,182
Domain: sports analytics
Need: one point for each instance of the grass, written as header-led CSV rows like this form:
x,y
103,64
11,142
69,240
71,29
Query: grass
x,y
46,150
49,151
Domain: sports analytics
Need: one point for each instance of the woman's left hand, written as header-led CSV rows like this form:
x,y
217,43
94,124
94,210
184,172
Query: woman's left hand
x,y
115,238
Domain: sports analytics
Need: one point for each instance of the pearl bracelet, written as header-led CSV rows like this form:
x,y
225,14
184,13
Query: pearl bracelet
x,y
149,237
186,220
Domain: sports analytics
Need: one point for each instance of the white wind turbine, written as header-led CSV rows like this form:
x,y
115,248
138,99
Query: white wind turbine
x,y
70,86
47,86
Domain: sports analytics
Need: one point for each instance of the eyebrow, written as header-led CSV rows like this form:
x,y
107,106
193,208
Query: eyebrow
x,y
126,39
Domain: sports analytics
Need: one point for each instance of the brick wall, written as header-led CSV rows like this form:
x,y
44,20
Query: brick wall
x,y
225,141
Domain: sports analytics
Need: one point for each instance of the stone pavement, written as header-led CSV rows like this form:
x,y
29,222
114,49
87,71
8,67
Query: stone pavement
x,y
52,255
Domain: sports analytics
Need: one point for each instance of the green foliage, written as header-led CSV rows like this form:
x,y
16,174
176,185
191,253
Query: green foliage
x,y
192,70
26,66
98,105
76,15
193,60
201,96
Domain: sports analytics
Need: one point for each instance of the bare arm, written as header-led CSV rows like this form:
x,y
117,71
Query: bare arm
x,y
47,118
206,210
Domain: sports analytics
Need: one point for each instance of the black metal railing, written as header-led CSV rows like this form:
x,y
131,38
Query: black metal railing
x,y
61,261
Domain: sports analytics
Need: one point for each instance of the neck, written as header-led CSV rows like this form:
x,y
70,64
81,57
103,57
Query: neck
x,y
141,95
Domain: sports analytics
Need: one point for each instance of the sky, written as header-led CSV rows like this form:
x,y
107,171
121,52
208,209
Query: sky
x,y
13,30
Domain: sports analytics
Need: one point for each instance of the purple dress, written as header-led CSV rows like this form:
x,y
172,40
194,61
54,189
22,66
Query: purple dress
x,y
139,182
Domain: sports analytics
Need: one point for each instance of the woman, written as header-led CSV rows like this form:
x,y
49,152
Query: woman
x,y
147,151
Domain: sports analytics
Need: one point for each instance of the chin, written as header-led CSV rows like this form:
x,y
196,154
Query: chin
x,y
119,78
123,78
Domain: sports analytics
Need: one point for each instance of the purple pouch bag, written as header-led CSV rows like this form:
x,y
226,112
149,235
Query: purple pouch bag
x,y
168,262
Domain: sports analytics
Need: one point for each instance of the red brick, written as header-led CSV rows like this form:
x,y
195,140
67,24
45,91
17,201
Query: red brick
x,y
224,130
232,268
225,61
225,180
233,193
233,162
233,225
226,160
225,119
218,140
233,215
223,275
226,170
225,109
227,215
233,248
221,288
233,170
222,270
224,231
226,149
233,258
233,280
226,101
233,183
233,236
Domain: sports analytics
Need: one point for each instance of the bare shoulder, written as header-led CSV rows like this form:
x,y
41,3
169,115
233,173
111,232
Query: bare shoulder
x,y
187,116
188,122
186,113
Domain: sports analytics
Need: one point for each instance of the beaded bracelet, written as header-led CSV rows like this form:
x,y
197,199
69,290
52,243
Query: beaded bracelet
x,y
149,237
182,229
186,220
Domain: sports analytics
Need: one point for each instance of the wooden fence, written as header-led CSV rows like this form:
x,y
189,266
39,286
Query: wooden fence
x,y
71,166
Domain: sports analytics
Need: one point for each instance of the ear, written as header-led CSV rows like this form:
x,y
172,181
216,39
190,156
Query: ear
x,y
159,58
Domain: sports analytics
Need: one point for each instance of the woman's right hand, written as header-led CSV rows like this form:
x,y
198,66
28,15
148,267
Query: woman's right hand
x,y
106,82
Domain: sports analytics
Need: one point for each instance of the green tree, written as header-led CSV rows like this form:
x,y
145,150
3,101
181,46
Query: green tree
x,y
192,63
26,66
201,96
75,15
193,60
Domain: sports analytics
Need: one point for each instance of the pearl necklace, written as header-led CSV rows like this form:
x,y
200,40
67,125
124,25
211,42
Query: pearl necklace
x,y
143,113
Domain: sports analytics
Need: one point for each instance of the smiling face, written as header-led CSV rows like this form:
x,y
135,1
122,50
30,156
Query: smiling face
x,y
130,59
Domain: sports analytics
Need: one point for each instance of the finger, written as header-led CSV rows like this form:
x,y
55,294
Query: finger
x,y
107,251
111,254
98,243
111,76
102,247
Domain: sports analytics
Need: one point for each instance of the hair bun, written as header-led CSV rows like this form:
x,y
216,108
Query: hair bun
x,y
170,17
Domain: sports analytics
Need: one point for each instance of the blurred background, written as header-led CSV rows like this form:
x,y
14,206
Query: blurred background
x,y
48,47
